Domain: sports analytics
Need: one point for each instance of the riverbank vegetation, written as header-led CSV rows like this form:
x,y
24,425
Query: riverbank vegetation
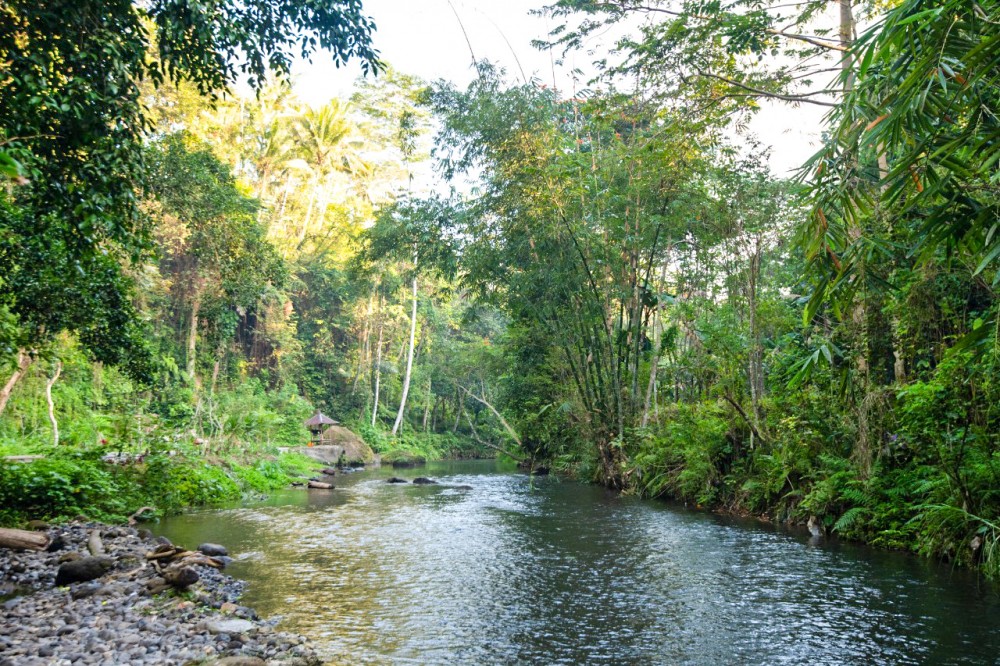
x,y
628,293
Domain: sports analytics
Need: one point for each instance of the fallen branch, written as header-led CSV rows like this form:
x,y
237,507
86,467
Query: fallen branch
x,y
746,418
134,518
510,431
489,445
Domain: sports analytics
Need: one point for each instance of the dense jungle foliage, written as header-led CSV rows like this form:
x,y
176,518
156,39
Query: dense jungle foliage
x,y
627,293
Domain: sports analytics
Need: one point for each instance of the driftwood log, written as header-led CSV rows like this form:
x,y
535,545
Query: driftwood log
x,y
94,543
23,539
164,554
319,485
180,576
138,515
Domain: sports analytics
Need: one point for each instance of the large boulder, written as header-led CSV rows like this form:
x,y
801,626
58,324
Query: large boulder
x,y
354,448
82,570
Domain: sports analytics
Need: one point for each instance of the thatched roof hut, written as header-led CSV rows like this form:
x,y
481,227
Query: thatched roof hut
x,y
317,422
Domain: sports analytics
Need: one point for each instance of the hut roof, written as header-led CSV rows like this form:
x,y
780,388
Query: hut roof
x,y
319,419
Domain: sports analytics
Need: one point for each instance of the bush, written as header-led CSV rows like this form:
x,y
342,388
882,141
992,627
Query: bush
x,y
67,483
685,459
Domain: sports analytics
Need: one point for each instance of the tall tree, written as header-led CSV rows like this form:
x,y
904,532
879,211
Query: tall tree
x,y
412,232
70,110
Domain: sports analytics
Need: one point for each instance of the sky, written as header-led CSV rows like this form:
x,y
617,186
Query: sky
x,y
431,39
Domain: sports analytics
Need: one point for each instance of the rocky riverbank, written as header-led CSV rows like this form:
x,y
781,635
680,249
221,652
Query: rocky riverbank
x,y
128,614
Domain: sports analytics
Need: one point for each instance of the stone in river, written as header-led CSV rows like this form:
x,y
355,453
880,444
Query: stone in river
x,y
396,479
82,570
423,481
229,626
213,550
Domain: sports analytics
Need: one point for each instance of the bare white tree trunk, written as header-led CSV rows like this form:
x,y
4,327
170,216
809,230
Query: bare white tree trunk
x,y
52,406
654,365
365,352
24,361
378,368
409,358
308,218
506,426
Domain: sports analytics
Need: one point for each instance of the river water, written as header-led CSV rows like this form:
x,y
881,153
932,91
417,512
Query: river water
x,y
548,571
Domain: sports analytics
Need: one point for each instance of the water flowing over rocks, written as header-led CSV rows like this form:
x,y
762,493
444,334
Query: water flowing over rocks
x,y
68,607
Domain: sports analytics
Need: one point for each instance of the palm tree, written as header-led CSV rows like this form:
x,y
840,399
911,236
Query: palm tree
x,y
326,145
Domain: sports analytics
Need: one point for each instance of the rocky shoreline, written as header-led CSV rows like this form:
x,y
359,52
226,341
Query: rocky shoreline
x,y
128,614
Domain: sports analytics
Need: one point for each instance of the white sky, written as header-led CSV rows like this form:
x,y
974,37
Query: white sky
x,y
424,38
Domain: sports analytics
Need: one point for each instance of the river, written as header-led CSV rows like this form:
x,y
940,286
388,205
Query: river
x,y
548,571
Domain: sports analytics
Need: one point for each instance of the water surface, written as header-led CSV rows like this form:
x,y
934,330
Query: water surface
x,y
556,572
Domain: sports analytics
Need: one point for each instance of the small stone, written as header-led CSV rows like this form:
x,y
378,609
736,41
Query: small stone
x,y
228,608
424,481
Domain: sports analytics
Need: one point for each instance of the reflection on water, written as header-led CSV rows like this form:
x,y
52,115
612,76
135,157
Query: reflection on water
x,y
561,573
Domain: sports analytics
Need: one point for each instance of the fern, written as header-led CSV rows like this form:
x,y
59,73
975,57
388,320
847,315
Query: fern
x,y
850,519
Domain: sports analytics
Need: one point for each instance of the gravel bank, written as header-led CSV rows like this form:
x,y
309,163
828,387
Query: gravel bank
x,y
118,619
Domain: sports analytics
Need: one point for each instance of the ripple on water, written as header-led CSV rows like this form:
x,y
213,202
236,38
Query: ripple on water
x,y
545,571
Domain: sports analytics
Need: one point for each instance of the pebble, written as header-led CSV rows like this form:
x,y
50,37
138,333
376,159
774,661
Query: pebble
x,y
115,619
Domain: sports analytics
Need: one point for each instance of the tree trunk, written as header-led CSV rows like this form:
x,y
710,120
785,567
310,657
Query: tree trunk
x,y
52,407
24,361
756,365
192,341
458,411
847,40
305,222
365,352
409,360
98,382
378,368
654,365
427,404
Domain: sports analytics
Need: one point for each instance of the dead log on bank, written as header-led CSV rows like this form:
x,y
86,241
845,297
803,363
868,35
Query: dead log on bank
x,y
23,539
